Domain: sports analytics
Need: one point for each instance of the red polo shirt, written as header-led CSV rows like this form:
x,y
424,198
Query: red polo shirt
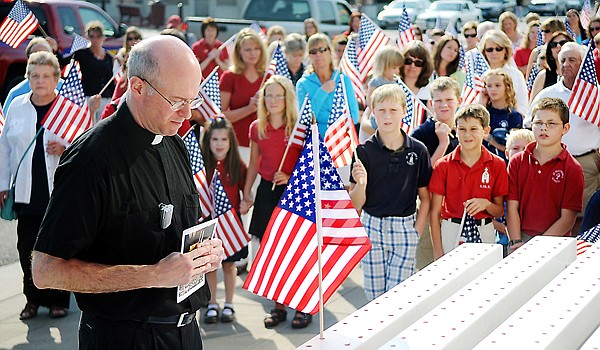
x,y
458,182
241,91
271,149
201,49
543,190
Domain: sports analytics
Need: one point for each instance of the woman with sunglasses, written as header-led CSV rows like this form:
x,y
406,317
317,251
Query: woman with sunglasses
x,y
593,29
529,42
549,76
320,80
497,49
239,85
417,69
96,66
548,27
446,58
132,37
469,31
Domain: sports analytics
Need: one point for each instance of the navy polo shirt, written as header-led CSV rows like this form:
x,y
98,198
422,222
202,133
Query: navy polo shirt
x,y
393,176
426,134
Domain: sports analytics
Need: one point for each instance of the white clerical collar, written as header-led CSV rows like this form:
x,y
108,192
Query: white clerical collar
x,y
157,140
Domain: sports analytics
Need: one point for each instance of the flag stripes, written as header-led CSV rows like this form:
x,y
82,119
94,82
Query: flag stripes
x,y
18,24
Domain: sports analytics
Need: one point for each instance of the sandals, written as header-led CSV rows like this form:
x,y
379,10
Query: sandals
x,y
227,317
212,315
301,320
274,317
30,311
58,312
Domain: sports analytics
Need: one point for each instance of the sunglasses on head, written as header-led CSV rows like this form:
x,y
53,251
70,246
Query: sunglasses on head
x,y
555,44
320,49
418,63
491,49
470,35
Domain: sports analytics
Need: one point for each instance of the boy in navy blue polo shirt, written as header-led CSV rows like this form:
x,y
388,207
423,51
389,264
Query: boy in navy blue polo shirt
x,y
391,171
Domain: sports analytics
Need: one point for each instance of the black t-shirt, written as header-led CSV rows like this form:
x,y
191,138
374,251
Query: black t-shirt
x,y
105,209
95,73
393,176
426,134
38,200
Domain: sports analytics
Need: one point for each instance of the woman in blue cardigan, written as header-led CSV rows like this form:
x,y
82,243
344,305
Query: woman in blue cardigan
x,y
320,80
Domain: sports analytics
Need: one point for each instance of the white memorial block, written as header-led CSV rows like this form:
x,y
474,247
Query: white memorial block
x,y
561,316
473,312
383,318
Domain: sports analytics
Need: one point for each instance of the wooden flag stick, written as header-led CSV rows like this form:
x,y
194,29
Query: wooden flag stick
x,y
107,84
317,165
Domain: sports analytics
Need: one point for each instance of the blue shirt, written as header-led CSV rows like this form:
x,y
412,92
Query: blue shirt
x,y
426,134
322,101
507,118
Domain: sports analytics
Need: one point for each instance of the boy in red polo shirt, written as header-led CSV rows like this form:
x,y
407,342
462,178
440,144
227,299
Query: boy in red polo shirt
x,y
545,181
470,179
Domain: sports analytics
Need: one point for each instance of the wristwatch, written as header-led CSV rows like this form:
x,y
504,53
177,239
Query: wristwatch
x,y
514,241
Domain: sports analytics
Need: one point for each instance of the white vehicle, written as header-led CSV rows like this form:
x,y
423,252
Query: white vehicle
x,y
332,16
390,16
457,12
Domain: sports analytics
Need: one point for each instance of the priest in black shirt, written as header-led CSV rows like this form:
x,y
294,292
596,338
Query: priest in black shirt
x,y
102,236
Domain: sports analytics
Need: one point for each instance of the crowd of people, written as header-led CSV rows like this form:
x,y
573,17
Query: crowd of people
x,y
517,162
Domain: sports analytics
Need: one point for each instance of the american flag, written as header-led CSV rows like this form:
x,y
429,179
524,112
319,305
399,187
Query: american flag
x,y
2,121
405,31
585,98
18,24
586,13
349,66
256,27
469,233
569,30
370,39
286,267
462,65
199,172
532,75
69,116
229,45
302,124
120,73
540,38
415,111
209,90
229,228
450,29
476,66
340,136
586,239
278,65
79,43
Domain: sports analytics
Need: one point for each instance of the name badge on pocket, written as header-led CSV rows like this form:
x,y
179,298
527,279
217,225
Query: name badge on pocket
x,y
166,214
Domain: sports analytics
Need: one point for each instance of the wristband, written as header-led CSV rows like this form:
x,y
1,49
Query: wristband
x,y
515,241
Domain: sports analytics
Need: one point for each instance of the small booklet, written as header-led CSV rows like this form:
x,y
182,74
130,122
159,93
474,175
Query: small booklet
x,y
189,241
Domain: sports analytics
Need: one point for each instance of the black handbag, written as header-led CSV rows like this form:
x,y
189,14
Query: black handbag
x,y
8,211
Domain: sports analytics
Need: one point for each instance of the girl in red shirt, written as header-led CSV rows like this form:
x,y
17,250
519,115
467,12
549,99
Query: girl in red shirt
x,y
269,135
220,152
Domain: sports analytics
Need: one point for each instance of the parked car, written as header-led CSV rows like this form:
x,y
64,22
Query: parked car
x,y
492,9
549,7
59,19
457,12
332,16
390,16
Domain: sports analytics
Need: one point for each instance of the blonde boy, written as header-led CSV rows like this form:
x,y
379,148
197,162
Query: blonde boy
x,y
516,141
470,179
392,169
545,181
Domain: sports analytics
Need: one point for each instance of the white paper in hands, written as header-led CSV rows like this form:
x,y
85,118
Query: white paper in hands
x,y
189,241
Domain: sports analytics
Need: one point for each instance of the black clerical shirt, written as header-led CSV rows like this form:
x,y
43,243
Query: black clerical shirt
x,y
105,209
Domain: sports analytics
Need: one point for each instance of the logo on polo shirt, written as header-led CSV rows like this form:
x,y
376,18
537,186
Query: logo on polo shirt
x,y
411,158
504,124
485,177
557,176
